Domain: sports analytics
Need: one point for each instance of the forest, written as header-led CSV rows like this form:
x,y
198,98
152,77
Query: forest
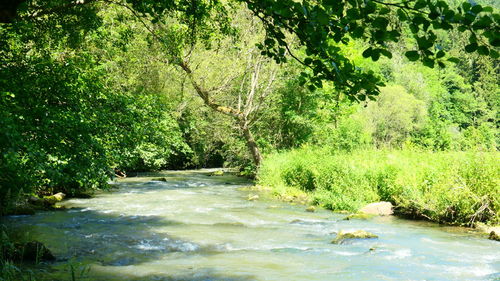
x,y
330,103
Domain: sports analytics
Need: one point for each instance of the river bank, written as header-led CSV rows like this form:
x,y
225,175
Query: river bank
x,y
459,188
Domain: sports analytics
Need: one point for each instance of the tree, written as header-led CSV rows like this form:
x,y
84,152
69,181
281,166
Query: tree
x,y
319,28
239,92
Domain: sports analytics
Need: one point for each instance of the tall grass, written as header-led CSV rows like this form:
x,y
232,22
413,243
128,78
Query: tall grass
x,y
452,187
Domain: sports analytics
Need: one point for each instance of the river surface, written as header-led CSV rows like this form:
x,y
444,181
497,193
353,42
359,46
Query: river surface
x,y
200,227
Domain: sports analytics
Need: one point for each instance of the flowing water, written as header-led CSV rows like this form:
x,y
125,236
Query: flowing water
x,y
197,227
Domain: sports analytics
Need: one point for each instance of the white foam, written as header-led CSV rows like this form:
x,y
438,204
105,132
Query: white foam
x,y
203,210
400,254
343,253
147,246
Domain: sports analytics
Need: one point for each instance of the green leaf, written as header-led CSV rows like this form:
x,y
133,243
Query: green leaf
x,y
488,9
412,55
375,55
472,38
428,62
424,43
466,6
483,50
414,28
495,42
367,53
386,53
420,4
384,11
401,15
477,9
471,48
454,60
494,54
269,42
440,54
322,17
381,23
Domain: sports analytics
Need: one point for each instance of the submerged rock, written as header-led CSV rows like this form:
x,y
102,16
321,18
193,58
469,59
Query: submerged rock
x,y
494,236
359,216
159,179
378,208
252,197
357,234
229,224
311,209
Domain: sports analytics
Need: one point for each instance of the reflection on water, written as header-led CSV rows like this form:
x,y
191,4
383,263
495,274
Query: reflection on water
x,y
197,227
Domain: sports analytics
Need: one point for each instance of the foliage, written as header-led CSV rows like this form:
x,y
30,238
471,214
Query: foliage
x,y
64,128
452,187
394,116
90,86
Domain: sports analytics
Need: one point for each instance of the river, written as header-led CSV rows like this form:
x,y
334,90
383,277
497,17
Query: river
x,y
199,227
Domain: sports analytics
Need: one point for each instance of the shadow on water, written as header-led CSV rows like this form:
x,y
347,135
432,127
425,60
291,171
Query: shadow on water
x,y
191,275
108,241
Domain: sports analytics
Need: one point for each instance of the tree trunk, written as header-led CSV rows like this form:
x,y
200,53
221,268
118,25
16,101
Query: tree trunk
x,y
251,144
240,117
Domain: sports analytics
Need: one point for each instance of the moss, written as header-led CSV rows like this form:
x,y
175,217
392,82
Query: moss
x,y
359,216
311,209
252,197
52,199
494,236
217,173
358,234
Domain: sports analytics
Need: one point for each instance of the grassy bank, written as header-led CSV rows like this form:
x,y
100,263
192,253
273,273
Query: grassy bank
x,y
450,187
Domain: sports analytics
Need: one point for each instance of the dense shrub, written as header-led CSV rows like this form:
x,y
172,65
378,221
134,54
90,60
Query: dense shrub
x,y
452,187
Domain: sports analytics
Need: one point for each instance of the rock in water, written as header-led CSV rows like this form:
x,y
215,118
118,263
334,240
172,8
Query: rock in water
x,y
357,234
378,208
252,197
159,179
59,196
311,209
217,173
494,236
54,198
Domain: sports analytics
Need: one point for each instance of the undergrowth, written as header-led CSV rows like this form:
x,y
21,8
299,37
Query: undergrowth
x,y
448,187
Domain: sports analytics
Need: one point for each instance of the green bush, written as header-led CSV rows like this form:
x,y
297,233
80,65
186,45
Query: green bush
x,y
452,187
300,174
